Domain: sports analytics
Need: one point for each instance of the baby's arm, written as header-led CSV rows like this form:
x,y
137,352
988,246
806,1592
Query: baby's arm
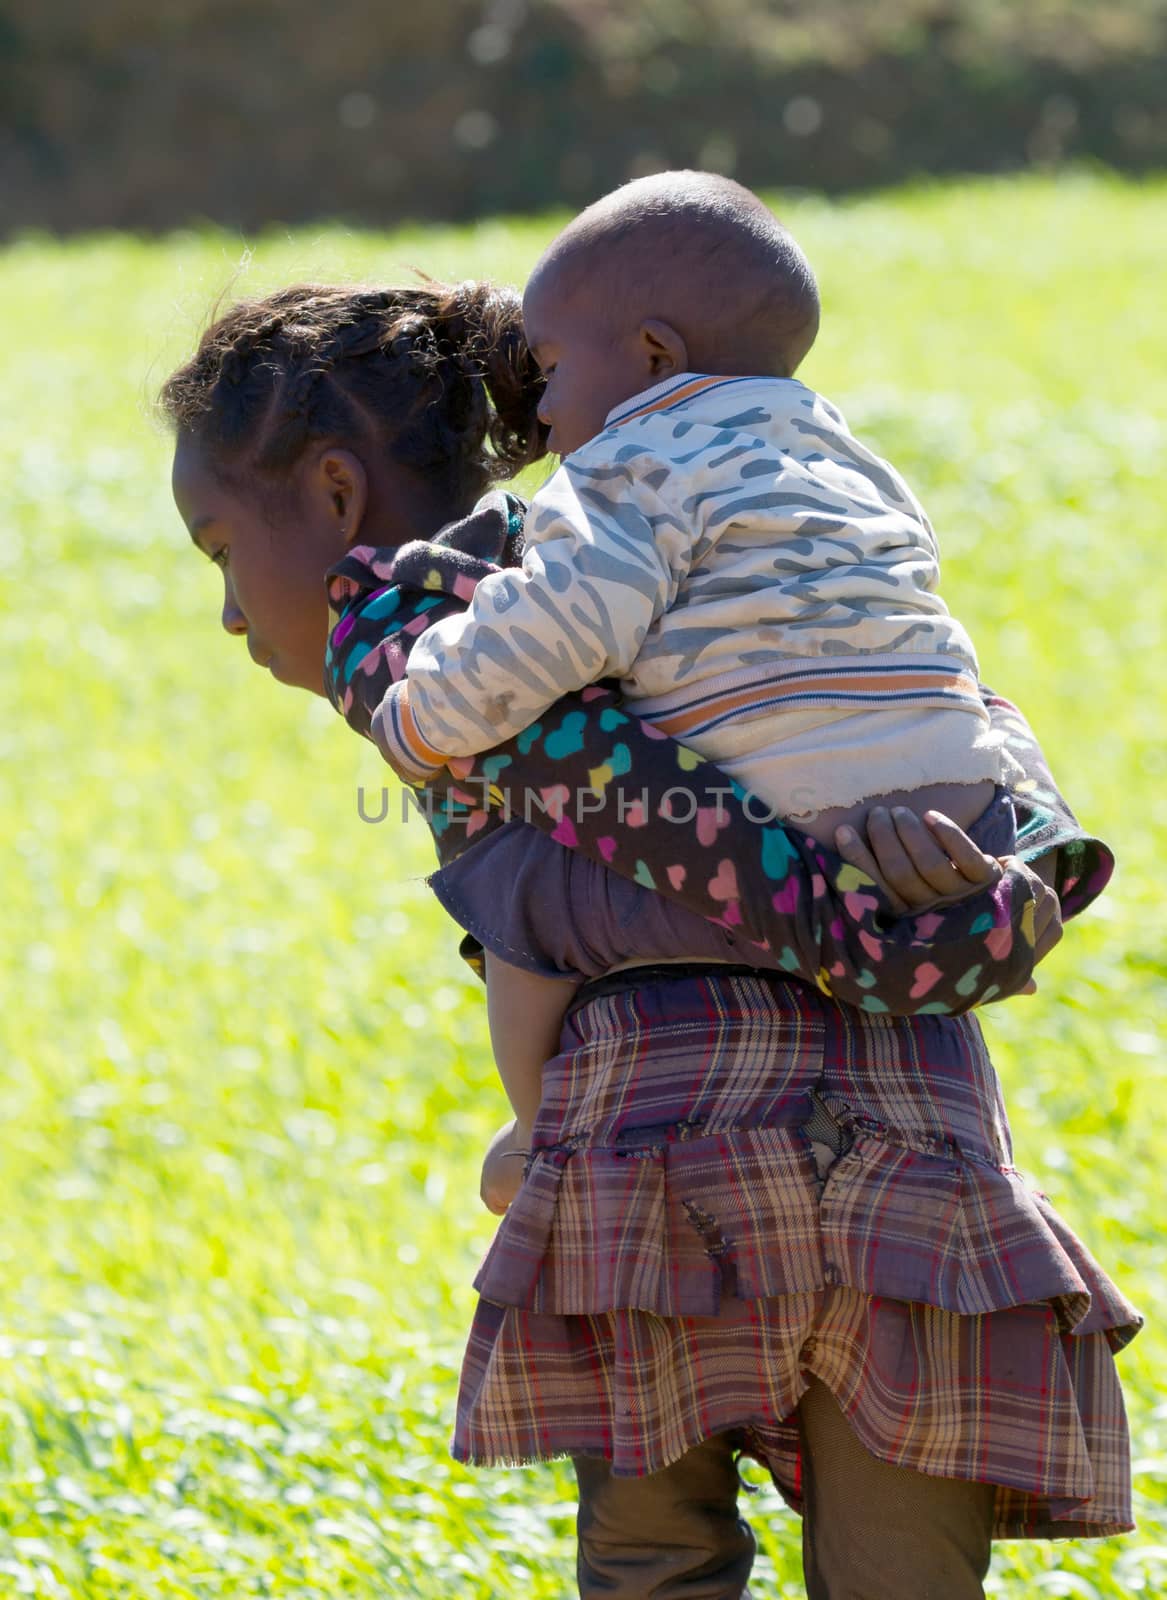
x,y
602,562
963,803
525,1013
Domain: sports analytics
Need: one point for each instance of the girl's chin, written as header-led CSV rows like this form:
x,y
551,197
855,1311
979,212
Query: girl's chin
x,y
291,678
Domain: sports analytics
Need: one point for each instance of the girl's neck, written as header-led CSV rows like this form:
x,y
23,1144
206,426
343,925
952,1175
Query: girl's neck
x,y
404,506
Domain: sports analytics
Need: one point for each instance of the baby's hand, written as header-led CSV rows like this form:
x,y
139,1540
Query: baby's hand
x,y
502,1170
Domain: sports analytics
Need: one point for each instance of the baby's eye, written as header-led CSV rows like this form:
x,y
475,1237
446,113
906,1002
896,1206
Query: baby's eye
x,y
220,556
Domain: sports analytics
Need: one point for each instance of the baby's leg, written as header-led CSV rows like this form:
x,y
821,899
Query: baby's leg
x,y
884,1532
525,1012
674,1535
963,802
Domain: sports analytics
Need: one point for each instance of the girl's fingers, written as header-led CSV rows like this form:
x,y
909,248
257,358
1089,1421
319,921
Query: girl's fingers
x,y
928,859
919,863
894,866
969,860
853,849
909,858
906,866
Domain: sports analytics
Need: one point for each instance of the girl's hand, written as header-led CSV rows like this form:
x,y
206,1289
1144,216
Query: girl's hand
x,y
919,863
922,863
502,1170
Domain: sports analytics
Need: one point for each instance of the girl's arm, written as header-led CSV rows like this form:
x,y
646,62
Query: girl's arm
x,y
595,777
1047,830
653,811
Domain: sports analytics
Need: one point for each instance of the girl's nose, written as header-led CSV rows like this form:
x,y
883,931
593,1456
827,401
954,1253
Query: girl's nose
x,y
233,619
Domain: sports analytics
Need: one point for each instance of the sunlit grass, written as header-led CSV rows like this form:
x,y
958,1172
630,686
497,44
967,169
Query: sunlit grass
x,y
245,1075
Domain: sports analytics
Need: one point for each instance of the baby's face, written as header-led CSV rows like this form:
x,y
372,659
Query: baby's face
x,y
588,371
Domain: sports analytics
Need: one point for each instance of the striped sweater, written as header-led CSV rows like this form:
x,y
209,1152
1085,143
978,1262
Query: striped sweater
x,y
762,585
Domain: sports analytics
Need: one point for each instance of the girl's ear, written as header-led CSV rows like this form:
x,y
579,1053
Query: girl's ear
x,y
338,486
663,348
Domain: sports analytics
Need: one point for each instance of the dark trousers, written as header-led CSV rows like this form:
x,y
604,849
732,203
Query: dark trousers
x,y
870,1531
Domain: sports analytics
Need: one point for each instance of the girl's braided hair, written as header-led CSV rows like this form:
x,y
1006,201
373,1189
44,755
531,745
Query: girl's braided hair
x,y
438,376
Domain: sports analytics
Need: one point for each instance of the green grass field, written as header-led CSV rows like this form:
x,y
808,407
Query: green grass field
x,y
245,1076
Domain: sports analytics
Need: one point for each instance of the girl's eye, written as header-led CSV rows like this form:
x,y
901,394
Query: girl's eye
x,y
220,556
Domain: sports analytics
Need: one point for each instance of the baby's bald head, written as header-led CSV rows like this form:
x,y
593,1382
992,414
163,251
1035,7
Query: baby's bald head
x,y
700,253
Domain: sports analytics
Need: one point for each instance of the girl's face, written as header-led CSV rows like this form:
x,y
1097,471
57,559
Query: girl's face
x,y
273,577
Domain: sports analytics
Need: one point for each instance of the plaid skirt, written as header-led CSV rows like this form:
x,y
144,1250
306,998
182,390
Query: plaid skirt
x,y
680,1258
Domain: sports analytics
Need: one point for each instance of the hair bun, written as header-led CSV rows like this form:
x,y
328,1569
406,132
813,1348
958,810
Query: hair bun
x,y
452,394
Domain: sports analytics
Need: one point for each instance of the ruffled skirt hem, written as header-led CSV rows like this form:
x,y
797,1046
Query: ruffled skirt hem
x,y
1005,1398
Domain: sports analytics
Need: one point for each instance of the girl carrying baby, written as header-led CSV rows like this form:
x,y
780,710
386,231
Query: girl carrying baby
x,y
913,1343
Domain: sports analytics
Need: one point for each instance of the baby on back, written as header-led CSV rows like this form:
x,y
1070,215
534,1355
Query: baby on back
x,y
762,584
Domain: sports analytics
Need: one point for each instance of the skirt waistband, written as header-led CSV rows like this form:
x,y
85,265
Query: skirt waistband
x,y
661,972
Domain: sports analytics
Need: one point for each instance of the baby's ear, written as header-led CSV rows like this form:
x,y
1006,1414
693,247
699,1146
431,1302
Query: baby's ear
x,y
664,349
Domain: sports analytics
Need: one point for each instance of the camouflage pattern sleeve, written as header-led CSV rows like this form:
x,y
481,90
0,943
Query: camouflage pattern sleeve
x,y
602,561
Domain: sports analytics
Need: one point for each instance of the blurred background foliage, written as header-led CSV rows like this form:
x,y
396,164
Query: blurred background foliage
x,y
120,115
